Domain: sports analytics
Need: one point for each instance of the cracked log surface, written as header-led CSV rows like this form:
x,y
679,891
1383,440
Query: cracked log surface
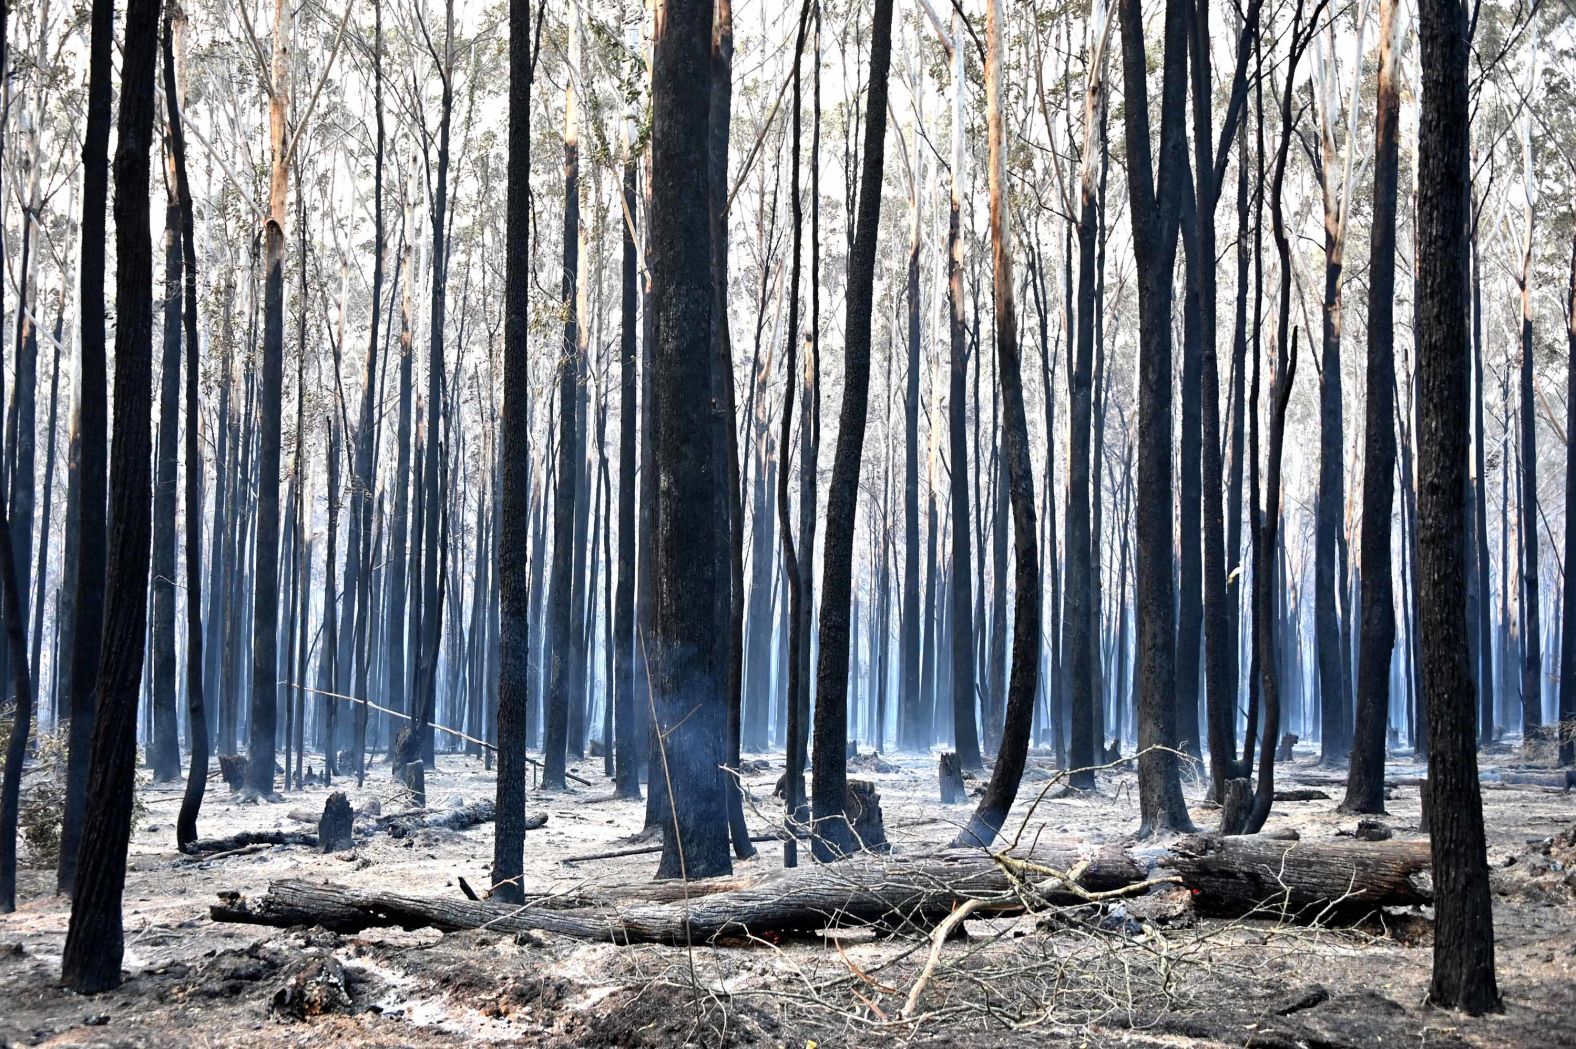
x,y
1232,875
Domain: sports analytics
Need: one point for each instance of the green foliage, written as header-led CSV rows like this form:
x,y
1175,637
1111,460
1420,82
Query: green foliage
x,y
43,799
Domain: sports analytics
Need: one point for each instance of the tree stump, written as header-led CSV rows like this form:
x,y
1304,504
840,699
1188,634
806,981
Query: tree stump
x,y
1371,830
335,830
316,989
1284,751
1239,802
864,812
233,768
951,772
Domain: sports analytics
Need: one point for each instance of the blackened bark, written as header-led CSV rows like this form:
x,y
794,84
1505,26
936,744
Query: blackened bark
x,y
358,556
1155,202
725,415
94,941
1078,616
197,711
1365,777
688,653
627,764
514,576
164,753
266,596
93,452
1567,708
16,639
1190,493
1531,581
833,833
561,631
1003,787
417,737
913,719
798,613
22,715
1265,638
1464,925
964,728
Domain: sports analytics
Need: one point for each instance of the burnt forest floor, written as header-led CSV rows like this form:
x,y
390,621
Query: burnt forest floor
x,y
1064,978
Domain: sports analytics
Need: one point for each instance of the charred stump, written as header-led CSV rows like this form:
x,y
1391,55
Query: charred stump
x,y
336,828
951,773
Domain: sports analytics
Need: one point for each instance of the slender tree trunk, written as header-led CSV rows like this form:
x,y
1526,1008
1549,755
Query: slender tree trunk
x,y
93,453
197,710
797,576
627,766
1365,779
514,563
1567,707
41,577
164,753
913,728
1079,621
833,832
1281,384
1003,786
731,509
1531,579
265,582
94,940
1464,936
416,738
1155,199
556,739
964,728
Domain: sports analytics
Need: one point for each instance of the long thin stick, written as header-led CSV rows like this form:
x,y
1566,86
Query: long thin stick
x,y
435,725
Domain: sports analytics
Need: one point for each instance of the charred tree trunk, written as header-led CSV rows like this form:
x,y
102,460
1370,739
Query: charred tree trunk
x,y
514,583
1464,933
627,764
964,727
555,742
416,739
93,428
1003,786
1078,621
725,416
797,576
1365,778
197,711
1567,709
94,941
833,835
1281,382
688,653
266,596
164,751
1155,203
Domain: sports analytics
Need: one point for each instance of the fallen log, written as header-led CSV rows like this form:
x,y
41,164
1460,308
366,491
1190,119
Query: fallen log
x,y
1301,794
461,817
397,825
1250,875
1556,779
250,837
645,850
